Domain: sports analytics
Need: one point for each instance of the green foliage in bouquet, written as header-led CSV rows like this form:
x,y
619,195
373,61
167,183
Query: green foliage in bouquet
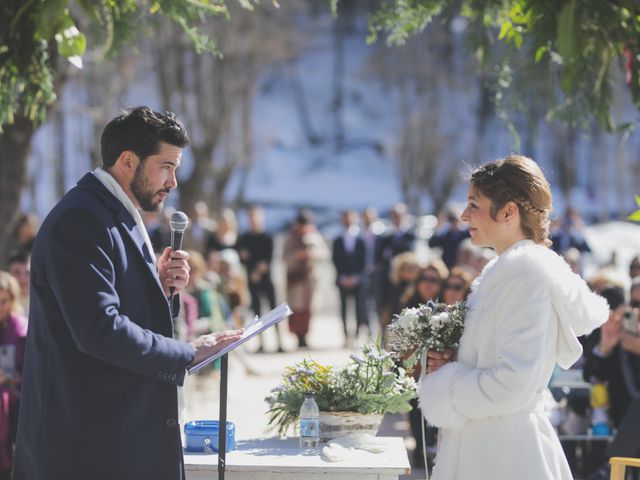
x,y
369,383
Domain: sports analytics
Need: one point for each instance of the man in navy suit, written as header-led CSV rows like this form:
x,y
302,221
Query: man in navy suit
x,y
398,241
349,258
99,388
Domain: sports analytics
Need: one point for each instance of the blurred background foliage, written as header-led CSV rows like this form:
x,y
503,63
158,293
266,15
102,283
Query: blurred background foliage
x,y
577,41
525,62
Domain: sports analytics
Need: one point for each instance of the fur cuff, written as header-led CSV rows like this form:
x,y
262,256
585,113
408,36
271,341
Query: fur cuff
x,y
436,397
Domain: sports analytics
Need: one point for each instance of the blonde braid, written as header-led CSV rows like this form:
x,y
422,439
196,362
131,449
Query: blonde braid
x,y
521,201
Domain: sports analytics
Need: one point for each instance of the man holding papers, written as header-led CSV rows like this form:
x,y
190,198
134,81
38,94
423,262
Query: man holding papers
x,y
253,328
99,388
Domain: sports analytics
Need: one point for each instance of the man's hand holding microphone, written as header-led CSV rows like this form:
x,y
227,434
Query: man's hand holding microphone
x,y
173,270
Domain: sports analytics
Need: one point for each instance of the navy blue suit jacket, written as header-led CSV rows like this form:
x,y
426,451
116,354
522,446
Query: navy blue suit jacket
x,y
99,395
348,263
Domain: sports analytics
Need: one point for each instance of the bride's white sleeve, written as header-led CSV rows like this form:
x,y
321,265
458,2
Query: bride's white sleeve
x,y
457,393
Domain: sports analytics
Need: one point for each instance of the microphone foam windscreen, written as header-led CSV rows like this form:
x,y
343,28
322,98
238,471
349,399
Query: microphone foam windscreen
x,y
179,221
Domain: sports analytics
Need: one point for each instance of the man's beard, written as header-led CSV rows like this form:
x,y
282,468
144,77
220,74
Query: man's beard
x,y
140,190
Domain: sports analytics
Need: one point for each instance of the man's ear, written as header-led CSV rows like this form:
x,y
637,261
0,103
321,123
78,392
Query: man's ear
x,y
127,162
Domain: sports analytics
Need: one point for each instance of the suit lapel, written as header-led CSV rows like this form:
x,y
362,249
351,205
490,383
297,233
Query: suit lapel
x,y
125,222
131,229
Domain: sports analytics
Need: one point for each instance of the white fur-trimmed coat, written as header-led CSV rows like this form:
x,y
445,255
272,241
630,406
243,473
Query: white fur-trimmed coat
x,y
526,309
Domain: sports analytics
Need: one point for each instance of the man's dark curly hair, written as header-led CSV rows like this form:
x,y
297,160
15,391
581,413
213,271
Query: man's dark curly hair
x,y
140,130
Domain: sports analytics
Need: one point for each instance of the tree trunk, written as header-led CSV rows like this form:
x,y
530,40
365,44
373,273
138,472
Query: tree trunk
x,y
337,80
15,142
247,147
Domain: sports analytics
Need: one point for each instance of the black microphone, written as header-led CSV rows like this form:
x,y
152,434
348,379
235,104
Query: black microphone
x,y
178,224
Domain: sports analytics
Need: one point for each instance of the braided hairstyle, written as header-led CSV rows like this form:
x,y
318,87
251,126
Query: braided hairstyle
x,y
519,179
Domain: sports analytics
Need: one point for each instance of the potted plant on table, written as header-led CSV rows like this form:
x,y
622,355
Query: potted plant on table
x,y
351,399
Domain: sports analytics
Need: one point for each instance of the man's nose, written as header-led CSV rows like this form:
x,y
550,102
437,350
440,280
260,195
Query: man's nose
x,y
172,181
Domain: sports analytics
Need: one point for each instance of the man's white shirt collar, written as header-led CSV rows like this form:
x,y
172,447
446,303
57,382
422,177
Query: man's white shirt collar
x,y
114,187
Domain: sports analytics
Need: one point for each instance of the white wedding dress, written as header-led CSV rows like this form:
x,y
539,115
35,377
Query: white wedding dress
x,y
526,310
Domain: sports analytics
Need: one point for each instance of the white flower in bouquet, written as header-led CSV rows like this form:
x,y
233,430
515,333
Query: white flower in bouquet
x,y
409,318
434,326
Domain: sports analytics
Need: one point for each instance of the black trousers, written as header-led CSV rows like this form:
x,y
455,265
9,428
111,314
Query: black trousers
x,y
258,291
359,294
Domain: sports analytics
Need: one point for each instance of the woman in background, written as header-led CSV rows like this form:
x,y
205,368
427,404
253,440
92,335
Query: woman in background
x,y
457,286
304,247
426,286
13,330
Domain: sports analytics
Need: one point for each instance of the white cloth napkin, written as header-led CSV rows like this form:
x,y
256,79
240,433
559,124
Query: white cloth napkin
x,y
340,449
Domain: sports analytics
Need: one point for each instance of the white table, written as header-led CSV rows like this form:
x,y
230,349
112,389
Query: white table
x,y
282,459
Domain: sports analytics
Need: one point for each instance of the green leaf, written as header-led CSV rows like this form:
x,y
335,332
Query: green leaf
x,y
568,29
505,29
635,216
517,15
71,42
52,17
334,8
91,8
540,52
246,4
517,39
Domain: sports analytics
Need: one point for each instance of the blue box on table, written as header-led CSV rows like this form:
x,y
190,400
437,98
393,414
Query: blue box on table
x,y
202,436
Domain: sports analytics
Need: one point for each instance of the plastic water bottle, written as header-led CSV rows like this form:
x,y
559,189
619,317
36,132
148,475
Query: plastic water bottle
x,y
309,422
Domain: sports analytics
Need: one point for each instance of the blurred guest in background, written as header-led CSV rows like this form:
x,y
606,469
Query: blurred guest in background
x,y
457,286
233,285
213,309
574,258
634,267
404,273
370,233
568,233
304,247
603,352
612,357
226,234
605,277
19,268
13,329
157,224
398,241
23,235
255,248
449,237
426,286
201,228
349,259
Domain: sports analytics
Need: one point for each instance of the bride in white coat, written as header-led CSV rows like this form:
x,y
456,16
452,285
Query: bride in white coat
x,y
526,309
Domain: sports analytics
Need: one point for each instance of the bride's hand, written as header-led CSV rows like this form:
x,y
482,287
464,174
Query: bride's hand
x,y
437,359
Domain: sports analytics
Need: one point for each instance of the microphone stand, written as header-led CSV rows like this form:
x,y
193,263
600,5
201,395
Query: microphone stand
x,y
222,432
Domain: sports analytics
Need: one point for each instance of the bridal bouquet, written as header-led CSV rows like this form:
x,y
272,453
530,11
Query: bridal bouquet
x,y
434,326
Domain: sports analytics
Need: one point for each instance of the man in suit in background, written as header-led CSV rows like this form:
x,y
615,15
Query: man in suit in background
x,y
399,240
99,392
255,248
349,258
